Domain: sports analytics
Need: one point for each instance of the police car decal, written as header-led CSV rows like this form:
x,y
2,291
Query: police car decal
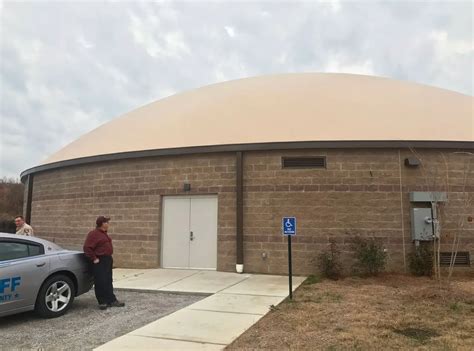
x,y
8,287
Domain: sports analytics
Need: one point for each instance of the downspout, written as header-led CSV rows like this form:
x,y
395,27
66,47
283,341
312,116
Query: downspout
x,y
239,192
402,212
29,198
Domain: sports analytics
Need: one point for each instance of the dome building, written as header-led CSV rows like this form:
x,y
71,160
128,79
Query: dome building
x,y
202,179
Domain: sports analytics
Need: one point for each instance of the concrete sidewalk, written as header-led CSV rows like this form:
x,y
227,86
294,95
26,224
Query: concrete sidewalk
x,y
237,302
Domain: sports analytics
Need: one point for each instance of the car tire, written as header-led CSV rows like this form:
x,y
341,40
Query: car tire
x,y
55,296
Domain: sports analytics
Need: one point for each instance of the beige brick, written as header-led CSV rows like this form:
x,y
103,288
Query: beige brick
x,y
357,195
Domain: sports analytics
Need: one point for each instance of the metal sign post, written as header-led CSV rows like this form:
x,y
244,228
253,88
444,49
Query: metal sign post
x,y
290,273
288,228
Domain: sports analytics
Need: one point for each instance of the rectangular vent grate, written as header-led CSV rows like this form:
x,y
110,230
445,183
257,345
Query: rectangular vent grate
x,y
462,259
304,162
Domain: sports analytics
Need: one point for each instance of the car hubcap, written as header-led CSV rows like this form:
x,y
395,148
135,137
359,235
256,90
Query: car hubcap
x,y
58,296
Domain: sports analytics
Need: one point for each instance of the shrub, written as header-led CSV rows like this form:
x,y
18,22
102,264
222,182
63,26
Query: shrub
x,y
370,256
421,262
329,264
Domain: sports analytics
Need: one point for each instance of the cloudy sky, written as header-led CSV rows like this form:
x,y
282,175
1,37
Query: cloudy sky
x,y
67,67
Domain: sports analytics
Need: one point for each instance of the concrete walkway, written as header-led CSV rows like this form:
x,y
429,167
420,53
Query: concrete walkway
x,y
236,302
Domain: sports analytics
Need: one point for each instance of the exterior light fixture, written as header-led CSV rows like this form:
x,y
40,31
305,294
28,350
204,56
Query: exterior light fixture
x,y
412,162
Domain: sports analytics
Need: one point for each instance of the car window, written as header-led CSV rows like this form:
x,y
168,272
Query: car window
x,y
34,250
12,250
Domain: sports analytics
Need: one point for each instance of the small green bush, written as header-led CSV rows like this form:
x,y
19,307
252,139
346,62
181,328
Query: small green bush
x,y
329,264
370,256
421,261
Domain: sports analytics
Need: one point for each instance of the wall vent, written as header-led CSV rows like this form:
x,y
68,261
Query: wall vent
x,y
304,162
462,258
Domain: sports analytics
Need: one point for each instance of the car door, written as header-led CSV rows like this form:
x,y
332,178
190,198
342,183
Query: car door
x,y
23,268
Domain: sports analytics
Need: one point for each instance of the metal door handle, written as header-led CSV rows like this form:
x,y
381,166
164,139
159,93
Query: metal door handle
x,y
40,264
191,236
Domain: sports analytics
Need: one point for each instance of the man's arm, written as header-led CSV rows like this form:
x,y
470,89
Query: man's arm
x,y
29,231
89,247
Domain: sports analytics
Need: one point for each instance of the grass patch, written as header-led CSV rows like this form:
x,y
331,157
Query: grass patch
x,y
333,297
327,296
312,279
313,299
395,312
421,335
273,308
455,306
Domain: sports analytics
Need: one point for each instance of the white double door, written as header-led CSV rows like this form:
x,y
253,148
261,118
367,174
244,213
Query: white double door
x,y
189,232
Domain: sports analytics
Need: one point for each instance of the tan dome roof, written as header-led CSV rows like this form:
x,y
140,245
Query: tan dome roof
x,y
285,108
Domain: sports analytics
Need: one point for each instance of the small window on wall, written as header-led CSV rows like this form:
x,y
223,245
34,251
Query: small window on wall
x,y
304,162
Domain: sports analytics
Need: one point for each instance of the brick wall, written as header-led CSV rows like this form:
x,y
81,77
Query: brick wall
x,y
67,201
357,195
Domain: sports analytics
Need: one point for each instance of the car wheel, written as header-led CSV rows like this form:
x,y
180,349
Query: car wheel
x,y
55,296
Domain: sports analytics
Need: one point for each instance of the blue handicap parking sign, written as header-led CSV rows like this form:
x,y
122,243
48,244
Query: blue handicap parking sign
x,y
289,225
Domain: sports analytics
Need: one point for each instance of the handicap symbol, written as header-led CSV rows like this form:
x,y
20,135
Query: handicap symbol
x,y
288,223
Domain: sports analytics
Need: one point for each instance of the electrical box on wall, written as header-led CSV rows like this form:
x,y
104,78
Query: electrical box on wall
x,y
430,196
421,224
425,224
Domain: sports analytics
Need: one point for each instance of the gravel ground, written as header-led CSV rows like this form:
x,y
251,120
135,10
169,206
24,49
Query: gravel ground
x,y
85,326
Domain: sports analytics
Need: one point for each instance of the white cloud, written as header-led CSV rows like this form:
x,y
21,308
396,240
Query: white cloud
x,y
335,5
281,59
337,65
143,35
446,48
157,42
84,43
175,44
230,31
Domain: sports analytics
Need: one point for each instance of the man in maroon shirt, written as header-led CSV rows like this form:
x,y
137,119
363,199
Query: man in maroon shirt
x,y
98,248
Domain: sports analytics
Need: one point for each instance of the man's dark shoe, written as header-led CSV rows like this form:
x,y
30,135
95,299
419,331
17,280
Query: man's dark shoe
x,y
103,306
116,304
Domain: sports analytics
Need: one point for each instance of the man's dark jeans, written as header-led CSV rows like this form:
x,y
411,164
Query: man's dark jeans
x,y
104,290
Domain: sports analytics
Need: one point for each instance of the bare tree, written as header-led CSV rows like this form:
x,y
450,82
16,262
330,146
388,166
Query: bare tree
x,y
436,176
11,198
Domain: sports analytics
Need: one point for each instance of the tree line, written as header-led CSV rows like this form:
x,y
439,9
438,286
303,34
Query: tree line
x,y
11,203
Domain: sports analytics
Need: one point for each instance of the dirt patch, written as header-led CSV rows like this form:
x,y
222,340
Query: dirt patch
x,y
421,335
398,312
